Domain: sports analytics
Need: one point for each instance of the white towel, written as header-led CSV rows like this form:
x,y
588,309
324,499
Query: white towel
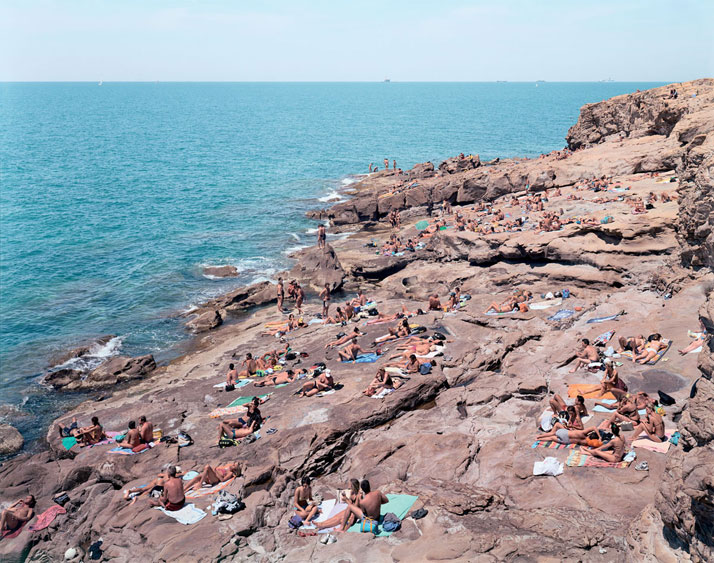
x,y
189,514
239,384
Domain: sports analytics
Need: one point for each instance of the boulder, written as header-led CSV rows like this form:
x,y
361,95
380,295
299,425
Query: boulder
x,y
316,267
421,170
241,299
11,440
80,351
221,271
116,370
61,378
460,164
205,321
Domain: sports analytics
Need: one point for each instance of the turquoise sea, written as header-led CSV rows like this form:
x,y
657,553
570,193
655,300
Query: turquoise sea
x,y
113,197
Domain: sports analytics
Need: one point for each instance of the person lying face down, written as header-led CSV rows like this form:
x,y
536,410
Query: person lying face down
x,y
346,338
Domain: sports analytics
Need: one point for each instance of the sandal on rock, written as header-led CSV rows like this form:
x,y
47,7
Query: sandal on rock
x,y
642,466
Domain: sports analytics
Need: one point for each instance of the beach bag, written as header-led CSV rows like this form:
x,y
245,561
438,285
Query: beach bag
x,y
425,368
290,356
566,293
369,525
184,439
439,336
230,387
418,330
391,523
61,499
665,399
227,503
372,312
295,522
226,443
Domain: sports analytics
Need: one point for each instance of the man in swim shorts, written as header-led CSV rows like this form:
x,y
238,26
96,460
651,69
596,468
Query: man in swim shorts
x,y
367,511
321,236
172,498
325,296
281,294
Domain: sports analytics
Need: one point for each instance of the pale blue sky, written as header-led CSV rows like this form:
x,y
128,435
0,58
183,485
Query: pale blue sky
x,y
341,40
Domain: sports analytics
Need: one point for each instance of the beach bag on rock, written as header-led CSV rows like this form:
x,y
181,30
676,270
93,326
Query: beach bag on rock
x,y
372,312
665,399
369,525
184,439
439,336
230,387
227,503
295,522
425,368
61,499
391,523
290,356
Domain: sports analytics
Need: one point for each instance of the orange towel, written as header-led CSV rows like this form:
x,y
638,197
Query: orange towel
x,y
588,391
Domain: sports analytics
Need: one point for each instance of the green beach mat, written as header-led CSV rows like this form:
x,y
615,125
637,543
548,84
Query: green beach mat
x,y
240,401
69,442
279,385
421,225
398,505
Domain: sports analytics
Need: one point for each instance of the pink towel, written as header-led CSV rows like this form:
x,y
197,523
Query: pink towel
x,y
46,518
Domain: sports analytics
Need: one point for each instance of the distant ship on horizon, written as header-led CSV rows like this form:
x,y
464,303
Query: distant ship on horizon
x,y
387,80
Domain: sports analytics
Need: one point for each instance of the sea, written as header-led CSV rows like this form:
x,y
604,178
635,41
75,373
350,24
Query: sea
x,y
115,196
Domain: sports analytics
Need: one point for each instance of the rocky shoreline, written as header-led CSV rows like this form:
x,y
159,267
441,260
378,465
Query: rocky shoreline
x,y
459,438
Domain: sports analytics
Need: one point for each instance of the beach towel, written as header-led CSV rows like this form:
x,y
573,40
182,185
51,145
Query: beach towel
x,y
657,358
190,475
421,225
579,459
70,441
695,351
395,370
552,445
495,314
238,384
561,315
398,505
539,305
588,391
13,533
236,407
188,515
329,509
206,491
432,354
658,447
323,393
603,319
382,394
604,338
368,358
600,408
127,451
46,518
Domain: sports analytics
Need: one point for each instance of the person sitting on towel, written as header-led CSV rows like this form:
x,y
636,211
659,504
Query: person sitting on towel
x,y
132,438
381,381
652,425
611,380
626,412
236,428
86,435
172,498
17,514
339,317
213,475
617,445
146,429
587,354
360,300
303,503
559,405
287,376
346,338
367,510
351,351
324,382
354,496
653,346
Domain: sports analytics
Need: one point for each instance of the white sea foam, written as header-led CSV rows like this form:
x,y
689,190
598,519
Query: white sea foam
x,y
295,236
332,196
98,353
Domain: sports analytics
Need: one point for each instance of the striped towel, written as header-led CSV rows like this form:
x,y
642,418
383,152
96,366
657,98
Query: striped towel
x,y
552,445
579,459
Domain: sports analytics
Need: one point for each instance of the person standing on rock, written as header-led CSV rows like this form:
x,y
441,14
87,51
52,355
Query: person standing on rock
x,y
281,295
321,236
325,296
386,164
172,498
394,165
299,297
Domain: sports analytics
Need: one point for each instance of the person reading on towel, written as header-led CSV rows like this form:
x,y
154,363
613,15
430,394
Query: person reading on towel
x,y
172,498
654,345
587,354
211,476
304,506
381,381
288,376
652,425
236,428
367,510
146,429
613,451
132,438
346,338
353,496
17,514
324,382
86,435
351,351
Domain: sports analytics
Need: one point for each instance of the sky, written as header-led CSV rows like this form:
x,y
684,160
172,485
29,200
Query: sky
x,y
365,40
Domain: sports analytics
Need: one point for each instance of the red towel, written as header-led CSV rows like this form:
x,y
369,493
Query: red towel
x,y
47,517
13,533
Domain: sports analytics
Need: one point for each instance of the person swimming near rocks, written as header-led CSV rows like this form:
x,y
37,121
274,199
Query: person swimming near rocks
x,y
172,497
214,475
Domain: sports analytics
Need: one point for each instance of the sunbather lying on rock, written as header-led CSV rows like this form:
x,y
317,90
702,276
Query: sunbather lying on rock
x,y
213,475
510,304
132,438
562,435
323,382
86,435
351,351
366,511
652,425
617,445
346,338
288,376
339,317
136,492
303,503
354,496
587,354
381,381
383,317
654,345
400,331
700,339
172,497
631,343
17,514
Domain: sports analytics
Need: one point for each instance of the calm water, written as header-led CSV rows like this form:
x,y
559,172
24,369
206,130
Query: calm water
x,y
114,197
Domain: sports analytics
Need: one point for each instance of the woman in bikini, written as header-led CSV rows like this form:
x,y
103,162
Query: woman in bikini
x,y
611,380
353,496
617,445
381,381
304,507
213,475
653,346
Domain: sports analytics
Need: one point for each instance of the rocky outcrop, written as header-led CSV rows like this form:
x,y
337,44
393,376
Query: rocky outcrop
x,y
421,171
241,299
11,440
317,267
221,271
82,351
115,370
205,321
460,164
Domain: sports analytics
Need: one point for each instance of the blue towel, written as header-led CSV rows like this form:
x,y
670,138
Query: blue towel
x,y
562,314
365,359
603,319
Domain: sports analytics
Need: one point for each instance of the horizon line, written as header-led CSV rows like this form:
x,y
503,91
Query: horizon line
x,y
383,81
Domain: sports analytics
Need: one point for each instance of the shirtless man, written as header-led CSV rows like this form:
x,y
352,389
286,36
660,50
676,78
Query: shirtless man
x,y
394,165
17,514
132,438
617,445
251,366
587,354
325,296
360,300
652,425
347,337
232,375
87,435
413,365
367,509
281,295
381,381
321,236
287,376
323,382
172,498
351,351
434,303
146,430
214,475
631,343
299,297
386,164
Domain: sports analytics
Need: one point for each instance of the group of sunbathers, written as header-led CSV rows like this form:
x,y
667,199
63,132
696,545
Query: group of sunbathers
x,y
643,350
516,302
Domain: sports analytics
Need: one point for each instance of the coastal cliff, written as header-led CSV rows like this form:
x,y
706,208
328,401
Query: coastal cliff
x,y
461,437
